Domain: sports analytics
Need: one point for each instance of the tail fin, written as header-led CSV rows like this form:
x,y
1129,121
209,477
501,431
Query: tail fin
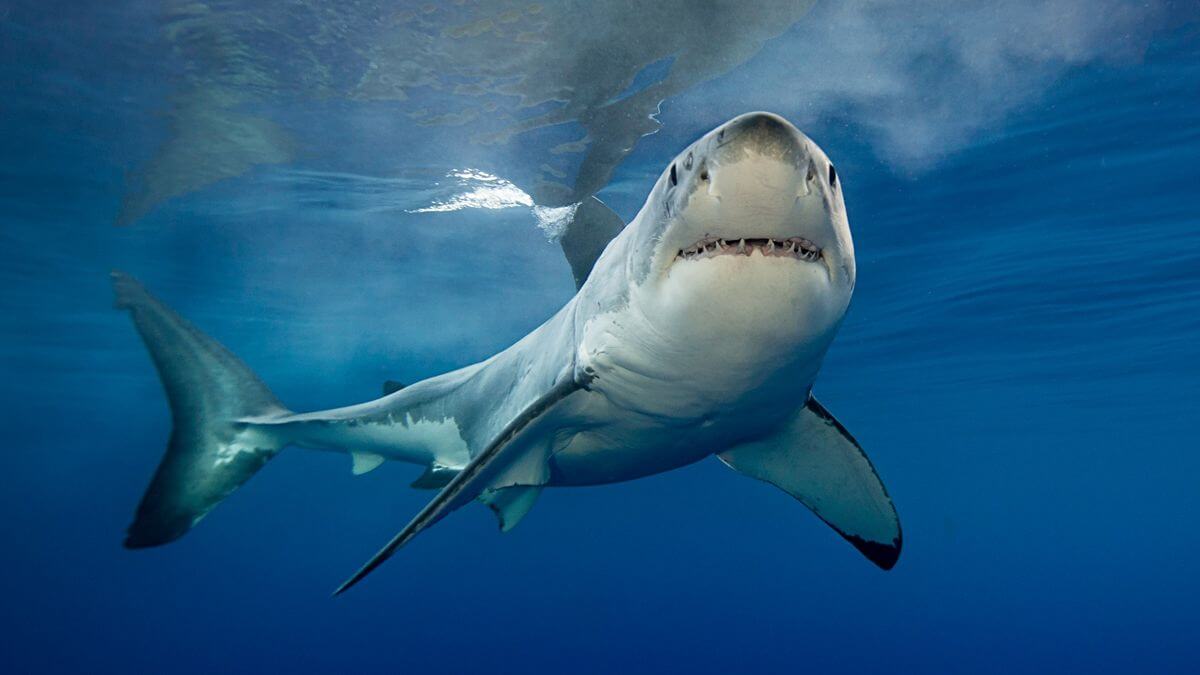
x,y
210,453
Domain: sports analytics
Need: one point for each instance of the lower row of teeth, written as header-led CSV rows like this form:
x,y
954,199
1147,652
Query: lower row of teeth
x,y
796,247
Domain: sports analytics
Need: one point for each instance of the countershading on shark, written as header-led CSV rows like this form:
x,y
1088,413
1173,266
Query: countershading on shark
x,y
697,330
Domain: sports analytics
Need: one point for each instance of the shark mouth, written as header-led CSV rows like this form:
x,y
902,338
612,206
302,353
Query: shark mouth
x,y
794,247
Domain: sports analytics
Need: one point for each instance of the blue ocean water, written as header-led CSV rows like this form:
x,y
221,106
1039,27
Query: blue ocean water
x,y
1021,359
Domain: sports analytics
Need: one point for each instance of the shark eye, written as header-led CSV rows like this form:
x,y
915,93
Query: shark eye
x,y
674,180
832,176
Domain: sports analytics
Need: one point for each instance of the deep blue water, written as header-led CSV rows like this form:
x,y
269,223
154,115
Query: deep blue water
x,y
1021,361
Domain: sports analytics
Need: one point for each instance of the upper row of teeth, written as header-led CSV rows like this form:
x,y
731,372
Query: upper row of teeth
x,y
795,246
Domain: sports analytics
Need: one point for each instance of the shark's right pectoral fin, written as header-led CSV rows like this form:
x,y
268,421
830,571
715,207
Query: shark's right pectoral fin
x,y
818,462
497,467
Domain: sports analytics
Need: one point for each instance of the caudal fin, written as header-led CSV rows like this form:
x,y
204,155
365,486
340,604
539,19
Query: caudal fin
x,y
210,452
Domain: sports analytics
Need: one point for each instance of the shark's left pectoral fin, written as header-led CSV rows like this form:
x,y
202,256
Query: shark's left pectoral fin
x,y
818,462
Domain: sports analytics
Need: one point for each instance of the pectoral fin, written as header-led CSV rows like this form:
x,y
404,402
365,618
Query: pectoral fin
x,y
818,462
493,462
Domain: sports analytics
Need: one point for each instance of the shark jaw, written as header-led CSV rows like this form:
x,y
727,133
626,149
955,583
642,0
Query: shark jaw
x,y
797,248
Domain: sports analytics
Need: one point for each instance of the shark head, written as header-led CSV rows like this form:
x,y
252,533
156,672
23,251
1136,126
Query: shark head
x,y
744,237
755,179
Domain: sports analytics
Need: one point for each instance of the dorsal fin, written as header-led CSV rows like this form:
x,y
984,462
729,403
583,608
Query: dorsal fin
x,y
593,226
391,387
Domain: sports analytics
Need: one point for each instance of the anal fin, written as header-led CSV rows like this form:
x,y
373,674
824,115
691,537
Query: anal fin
x,y
364,462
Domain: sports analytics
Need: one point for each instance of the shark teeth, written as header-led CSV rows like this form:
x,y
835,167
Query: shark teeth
x,y
793,247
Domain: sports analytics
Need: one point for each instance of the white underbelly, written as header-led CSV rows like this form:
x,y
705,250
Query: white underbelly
x,y
610,445
600,442
692,372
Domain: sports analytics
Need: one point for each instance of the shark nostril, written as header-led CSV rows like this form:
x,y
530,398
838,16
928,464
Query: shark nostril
x,y
674,179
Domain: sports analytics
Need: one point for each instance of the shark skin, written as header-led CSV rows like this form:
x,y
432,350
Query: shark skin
x,y
699,331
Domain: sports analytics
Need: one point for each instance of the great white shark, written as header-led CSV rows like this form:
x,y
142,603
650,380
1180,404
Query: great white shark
x,y
699,331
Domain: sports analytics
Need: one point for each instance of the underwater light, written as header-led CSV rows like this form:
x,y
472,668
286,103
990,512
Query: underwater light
x,y
489,191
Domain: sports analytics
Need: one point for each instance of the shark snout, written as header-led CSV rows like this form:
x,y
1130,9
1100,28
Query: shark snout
x,y
759,165
761,134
